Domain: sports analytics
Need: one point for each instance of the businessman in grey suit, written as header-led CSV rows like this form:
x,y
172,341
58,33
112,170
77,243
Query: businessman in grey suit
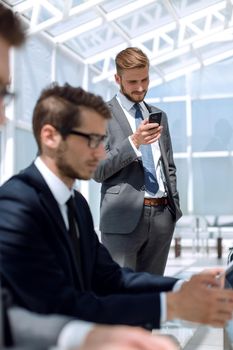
x,y
137,223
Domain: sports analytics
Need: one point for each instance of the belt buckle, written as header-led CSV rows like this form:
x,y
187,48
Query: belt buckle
x,y
147,202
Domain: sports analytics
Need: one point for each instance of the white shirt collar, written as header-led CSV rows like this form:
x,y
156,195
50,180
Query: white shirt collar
x,y
127,104
59,190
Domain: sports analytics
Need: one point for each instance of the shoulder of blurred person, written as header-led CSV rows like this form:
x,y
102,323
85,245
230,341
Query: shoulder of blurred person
x,y
12,34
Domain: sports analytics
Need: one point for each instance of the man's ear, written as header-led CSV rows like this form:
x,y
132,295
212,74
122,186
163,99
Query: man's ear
x,y
50,137
117,79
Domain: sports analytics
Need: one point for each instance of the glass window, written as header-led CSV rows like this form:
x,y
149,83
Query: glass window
x,y
71,72
212,125
32,74
212,80
176,87
94,201
25,149
213,192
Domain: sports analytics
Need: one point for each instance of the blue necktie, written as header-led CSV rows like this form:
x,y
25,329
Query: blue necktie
x,y
151,183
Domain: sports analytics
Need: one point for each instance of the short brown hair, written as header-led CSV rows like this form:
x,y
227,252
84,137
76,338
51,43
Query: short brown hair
x,y
59,106
130,58
11,28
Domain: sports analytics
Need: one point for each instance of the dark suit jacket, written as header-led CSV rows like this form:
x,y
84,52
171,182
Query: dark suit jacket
x,y
122,175
39,269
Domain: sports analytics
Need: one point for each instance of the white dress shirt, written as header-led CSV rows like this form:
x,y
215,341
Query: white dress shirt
x,y
59,190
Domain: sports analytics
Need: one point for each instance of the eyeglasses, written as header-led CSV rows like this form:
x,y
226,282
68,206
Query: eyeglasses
x,y
94,140
6,95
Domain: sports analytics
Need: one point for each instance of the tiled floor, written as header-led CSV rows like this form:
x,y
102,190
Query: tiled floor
x,y
190,263
189,336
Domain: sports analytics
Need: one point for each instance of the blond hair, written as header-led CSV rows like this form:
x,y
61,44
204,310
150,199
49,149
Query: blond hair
x,y
130,58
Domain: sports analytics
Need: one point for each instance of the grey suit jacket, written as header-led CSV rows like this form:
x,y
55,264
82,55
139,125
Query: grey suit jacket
x,y
122,176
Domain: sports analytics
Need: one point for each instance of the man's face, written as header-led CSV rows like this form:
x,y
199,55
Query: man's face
x,y
134,83
74,159
4,72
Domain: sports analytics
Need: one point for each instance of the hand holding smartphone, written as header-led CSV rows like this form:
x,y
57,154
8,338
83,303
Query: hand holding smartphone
x,y
155,117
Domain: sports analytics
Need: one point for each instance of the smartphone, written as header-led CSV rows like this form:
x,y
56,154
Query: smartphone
x,y
155,117
228,273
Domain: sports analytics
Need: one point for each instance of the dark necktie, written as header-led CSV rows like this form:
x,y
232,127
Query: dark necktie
x,y
74,235
151,183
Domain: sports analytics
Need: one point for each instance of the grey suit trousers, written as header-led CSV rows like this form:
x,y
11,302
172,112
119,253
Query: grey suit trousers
x,y
147,247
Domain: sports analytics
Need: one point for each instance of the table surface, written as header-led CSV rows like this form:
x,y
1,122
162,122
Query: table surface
x,y
191,336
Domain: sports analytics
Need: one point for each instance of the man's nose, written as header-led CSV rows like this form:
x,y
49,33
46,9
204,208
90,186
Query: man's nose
x,y
100,152
140,88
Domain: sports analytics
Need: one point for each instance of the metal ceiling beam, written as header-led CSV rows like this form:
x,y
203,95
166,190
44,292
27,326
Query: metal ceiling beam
x,y
113,25
171,10
129,8
183,44
24,6
70,34
67,8
84,7
162,45
108,17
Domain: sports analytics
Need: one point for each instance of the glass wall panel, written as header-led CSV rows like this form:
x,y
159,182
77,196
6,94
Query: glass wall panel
x,y
212,125
103,88
68,69
176,87
212,80
213,190
25,149
32,74
94,201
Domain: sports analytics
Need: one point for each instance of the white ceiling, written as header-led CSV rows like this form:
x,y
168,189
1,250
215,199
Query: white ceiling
x,y
178,36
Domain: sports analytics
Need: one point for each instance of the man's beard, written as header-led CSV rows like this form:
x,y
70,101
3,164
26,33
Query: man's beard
x,y
130,97
65,169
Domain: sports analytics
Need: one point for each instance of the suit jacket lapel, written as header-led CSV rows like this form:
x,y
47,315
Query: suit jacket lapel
x,y
33,176
120,117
